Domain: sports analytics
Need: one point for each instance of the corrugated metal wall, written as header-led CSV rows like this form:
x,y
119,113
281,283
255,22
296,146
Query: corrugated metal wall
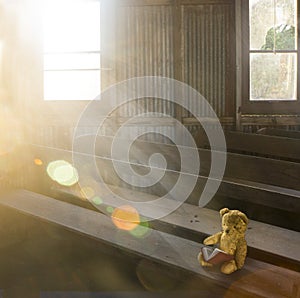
x,y
144,48
148,42
206,50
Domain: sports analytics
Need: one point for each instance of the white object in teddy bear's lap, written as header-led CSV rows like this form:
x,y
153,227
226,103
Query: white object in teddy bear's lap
x,y
215,255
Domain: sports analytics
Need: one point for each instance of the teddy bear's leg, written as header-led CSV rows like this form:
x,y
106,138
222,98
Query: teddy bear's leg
x,y
202,262
229,267
240,254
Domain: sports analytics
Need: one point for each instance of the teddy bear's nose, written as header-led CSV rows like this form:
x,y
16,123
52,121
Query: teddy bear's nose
x,y
227,231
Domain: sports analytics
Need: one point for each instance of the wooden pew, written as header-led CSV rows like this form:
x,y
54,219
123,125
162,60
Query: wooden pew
x,y
283,145
255,279
262,194
279,133
266,182
266,243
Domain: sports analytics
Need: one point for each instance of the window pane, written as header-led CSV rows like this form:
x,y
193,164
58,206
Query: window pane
x,y
71,85
262,20
71,25
71,61
273,76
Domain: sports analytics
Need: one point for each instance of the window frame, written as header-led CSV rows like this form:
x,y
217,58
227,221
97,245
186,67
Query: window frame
x,y
99,52
264,107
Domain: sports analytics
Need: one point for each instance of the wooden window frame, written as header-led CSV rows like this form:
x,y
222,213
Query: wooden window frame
x,y
272,107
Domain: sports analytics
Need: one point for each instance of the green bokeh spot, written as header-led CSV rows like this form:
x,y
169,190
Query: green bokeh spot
x,y
110,209
141,230
97,200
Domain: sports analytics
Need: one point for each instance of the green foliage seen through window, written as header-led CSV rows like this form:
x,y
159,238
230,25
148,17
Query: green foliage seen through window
x,y
285,38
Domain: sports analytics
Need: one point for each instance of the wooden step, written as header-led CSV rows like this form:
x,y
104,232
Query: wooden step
x,y
255,279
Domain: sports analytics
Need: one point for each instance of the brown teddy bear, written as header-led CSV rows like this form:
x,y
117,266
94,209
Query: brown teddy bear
x,y
231,240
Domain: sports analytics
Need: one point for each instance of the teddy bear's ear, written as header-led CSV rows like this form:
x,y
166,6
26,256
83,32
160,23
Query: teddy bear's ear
x,y
224,211
243,217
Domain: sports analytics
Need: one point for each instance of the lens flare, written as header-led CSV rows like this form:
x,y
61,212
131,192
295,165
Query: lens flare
x,y
110,209
38,162
141,231
97,200
62,172
87,192
125,218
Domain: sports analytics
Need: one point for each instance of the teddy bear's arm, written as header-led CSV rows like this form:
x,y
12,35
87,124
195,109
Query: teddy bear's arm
x,y
213,239
240,254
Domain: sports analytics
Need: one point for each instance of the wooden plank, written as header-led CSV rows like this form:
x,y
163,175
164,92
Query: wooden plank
x,y
152,121
264,144
259,169
266,280
206,2
256,143
261,194
262,238
272,239
223,120
239,61
242,189
144,2
263,170
270,120
280,133
245,191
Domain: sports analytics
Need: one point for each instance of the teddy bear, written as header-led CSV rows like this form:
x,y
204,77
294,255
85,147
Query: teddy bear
x,y
231,240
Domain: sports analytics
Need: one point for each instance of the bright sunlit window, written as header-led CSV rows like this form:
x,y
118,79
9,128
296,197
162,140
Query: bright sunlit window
x,y
71,49
273,49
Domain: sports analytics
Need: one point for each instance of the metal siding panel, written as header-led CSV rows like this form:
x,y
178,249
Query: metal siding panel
x,y
204,47
145,37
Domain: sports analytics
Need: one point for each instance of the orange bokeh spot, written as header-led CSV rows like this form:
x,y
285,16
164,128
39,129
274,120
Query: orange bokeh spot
x,y
38,162
125,218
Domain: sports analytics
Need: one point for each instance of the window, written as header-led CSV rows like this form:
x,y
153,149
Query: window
x,y
71,49
270,56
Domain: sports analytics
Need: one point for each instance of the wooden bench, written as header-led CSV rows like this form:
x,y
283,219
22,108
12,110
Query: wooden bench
x,y
279,133
266,142
194,223
270,248
255,279
262,181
